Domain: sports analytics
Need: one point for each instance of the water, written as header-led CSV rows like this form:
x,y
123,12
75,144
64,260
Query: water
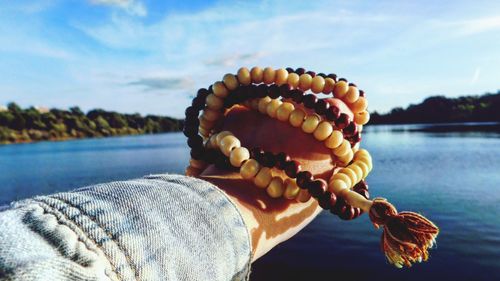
x,y
451,177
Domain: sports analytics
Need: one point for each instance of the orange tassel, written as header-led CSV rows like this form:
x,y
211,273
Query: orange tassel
x,y
407,236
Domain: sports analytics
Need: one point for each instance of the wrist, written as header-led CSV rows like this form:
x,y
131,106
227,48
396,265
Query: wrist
x,y
269,221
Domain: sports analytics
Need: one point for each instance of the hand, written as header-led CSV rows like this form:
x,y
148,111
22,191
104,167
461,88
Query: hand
x,y
271,221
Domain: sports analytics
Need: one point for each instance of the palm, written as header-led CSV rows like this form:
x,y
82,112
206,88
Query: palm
x,y
274,220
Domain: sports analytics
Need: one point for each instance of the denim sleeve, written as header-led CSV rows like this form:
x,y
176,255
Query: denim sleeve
x,y
161,227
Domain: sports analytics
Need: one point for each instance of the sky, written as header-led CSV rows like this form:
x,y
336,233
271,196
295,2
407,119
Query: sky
x,y
151,57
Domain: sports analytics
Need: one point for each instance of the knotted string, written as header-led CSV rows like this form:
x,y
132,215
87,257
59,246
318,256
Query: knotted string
x,y
407,236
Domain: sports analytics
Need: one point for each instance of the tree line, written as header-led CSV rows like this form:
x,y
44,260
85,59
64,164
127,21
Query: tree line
x,y
29,124
439,109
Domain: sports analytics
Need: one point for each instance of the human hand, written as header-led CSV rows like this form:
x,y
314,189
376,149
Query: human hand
x,y
271,221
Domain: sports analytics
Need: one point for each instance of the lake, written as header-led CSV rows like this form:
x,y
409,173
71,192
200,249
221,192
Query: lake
x,y
452,177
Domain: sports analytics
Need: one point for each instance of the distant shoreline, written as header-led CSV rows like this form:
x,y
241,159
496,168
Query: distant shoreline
x,y
457,127
84,138
32,124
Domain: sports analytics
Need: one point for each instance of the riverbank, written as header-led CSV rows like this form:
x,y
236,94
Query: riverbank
x,y
32,136
32,124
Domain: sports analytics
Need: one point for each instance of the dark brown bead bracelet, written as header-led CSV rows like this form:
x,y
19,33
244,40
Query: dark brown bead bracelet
x,y
305,180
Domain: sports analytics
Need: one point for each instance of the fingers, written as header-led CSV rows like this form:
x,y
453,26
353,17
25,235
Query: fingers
x,y
259,130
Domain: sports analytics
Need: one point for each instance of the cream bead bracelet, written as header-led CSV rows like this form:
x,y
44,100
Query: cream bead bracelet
x,y
406,236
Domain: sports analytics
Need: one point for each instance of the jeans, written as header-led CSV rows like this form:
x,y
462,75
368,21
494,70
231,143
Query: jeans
x,y
160,227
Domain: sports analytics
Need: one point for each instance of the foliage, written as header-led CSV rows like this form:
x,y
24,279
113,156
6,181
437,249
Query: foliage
x,y
25,125
439,109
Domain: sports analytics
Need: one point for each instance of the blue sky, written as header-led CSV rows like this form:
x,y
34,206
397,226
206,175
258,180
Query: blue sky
x,y
146,57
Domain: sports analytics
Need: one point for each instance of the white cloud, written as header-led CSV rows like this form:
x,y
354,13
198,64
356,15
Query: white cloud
x,y
132,7
474,26
396,55
233,59
476,75
164,83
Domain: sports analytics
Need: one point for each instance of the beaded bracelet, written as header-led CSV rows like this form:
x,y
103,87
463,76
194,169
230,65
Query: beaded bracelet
x,y
406,236
251,164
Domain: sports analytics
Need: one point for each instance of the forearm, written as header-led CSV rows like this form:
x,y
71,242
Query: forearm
x,y
164,227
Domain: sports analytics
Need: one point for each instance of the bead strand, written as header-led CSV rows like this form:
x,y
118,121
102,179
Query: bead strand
x,y
311,124
215,99
407,236
256,75
257,166
347,92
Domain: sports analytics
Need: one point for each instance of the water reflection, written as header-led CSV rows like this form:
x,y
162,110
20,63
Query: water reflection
x,y
450,173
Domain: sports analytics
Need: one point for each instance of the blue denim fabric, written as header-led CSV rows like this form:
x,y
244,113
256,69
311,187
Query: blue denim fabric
x,y
161,227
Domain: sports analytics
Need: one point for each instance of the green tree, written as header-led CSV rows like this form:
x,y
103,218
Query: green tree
x,y
13,107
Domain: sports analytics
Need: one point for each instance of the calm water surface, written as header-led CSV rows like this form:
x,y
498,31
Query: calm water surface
x,y
453,178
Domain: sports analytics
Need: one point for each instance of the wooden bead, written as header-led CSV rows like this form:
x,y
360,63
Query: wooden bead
x,y
293,80
230,81
303,196
324,130
197,164
362,152
340,89
343,148
347,158
220,136
263,177
269,75
360,105
317,84
310,123
220,89
365,160
337,186
334,140
212,142
238,156
192,171
292,168
362,157
254,104
356,200
263,102
228,143
214,102
249,169
205,132
205,123
363,167
343,177
352,94
272,107
284,111
357,170
297,117
305,82
281,76
244,76
275,188
361,118
351,174
329,85
291,189
257,74
359,155
211,115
